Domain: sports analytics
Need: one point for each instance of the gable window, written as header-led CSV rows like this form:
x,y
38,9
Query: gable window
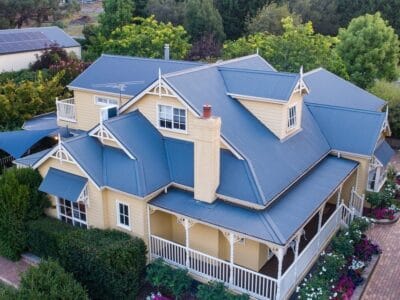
x,y
170,117
73,213
292,117
123,215
101,100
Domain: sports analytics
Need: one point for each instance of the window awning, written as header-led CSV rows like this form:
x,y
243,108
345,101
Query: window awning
x,y
384,153
64,185
16,143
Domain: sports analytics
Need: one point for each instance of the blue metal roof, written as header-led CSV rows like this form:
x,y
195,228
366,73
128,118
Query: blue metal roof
x,y
62,184
31,160
16,143
349,130
261,84
180,156
33,39
384,153
249,62
136,72
276,223
41,122
273,164
329,89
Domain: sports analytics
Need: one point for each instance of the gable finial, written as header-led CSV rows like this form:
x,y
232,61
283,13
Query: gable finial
x,y
159,82
301,72
258,51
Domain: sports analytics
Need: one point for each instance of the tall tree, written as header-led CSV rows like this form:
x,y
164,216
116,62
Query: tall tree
x,y
370,50
235,12
117,13
167,10
269,19
297,46
140,8
146,37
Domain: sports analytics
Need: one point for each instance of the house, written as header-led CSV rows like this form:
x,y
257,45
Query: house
x,y
20,47
233,170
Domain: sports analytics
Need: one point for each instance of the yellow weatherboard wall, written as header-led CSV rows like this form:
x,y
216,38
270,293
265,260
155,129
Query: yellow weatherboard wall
x,y
87,111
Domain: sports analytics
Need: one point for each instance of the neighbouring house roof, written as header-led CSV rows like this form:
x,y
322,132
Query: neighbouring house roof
x,y
62,184
278,222
329,89
17,143
349,130
260,84
384,153
44,121
134,73
274,165
33,39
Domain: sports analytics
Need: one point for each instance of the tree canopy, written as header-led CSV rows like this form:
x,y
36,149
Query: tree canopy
x,y
370,49
117,13
167,10
297,46
146,37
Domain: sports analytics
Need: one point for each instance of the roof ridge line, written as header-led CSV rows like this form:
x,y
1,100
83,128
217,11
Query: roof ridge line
x,y
265,218
278,73
372,112
151,59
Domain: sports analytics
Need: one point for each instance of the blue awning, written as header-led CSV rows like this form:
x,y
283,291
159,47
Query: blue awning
x,y
16,143
384,153
276,223
62,184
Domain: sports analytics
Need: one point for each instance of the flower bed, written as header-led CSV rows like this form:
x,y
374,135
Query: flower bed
x,y
339,271
384,206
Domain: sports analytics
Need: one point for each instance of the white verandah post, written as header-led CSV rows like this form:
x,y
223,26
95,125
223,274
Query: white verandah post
x,y
187,226
149,232
279,255
339,195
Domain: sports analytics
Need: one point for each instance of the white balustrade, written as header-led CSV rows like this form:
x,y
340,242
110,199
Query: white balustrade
x,y
357,202
66,110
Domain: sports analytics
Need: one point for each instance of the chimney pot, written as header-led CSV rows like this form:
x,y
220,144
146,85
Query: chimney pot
x,y
166,51
206,111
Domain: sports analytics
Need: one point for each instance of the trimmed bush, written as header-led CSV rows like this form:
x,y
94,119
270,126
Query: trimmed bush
x,y
50,281
7,293
216,291
19,202
109,263
175,282
44,236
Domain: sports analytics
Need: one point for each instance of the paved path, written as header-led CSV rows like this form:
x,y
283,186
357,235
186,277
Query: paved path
x,y
385,282
10,271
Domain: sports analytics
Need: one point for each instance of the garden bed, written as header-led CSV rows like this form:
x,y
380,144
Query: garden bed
x,y
367,274
396,217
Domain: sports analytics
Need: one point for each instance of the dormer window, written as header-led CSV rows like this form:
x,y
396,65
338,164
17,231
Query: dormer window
x,y
292,117
170,117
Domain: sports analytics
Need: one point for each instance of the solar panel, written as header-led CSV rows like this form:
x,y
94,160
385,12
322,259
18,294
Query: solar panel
x,y
23,41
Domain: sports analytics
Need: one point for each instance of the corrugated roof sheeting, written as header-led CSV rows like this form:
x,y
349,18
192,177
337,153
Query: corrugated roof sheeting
x,y
276,223
349,130
384,153
260,84
329,89
31,160
62,184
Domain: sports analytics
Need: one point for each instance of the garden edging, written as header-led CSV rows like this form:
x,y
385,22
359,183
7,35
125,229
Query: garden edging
x,y
367,274
387,221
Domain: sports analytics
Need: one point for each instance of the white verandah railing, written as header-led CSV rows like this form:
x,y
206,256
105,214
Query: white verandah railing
x,y
357,202
299,268
244,280
66,110
212,268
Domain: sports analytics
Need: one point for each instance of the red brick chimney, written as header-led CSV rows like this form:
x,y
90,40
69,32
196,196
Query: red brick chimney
x,y
207,111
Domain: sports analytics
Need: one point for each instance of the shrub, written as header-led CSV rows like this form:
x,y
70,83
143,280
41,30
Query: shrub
x,y
7,293
330,267
110,264
314,287
342,244
44,236
215,291
174,281
19,202
50,281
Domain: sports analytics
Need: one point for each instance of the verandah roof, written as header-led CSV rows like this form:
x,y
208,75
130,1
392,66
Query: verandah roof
x,y
63,184
277,223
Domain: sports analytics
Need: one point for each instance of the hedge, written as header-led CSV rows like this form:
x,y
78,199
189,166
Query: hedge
x,y
44,236
50,281
215,291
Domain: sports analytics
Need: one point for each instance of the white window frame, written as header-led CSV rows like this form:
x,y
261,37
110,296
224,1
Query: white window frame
x,y
96,97
292,119
72,217
119,224
172,108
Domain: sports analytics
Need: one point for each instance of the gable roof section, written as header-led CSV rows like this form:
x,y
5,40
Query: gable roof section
x,y
180,155
349,130
277,223
135,72
260,84
329,89
273,164
250,62
31,160
384,153
146,143
33,39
